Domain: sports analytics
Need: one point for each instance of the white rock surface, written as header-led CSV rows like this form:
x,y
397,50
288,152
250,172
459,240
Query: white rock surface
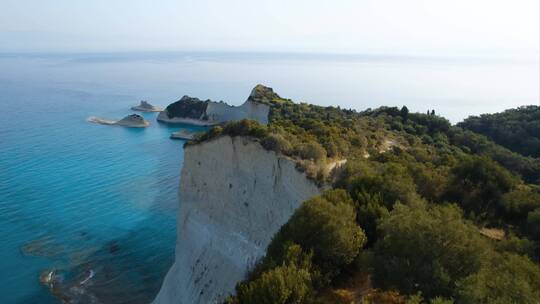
x,y
234,197
218,112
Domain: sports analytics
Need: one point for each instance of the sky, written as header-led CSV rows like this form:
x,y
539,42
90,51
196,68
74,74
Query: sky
x,y
432,27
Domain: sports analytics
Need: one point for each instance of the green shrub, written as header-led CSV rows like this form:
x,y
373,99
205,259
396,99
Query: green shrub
x,y
478,184
390,181
370,210
327,226
518,203
311,150
427,250
507,278
245,127
285,284
277,143
533,224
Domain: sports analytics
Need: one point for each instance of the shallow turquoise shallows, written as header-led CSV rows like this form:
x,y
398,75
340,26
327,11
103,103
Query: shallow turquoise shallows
x,y
83,198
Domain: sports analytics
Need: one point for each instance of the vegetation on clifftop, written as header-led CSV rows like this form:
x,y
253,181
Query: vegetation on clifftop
x,y
188,107
516,129
421,212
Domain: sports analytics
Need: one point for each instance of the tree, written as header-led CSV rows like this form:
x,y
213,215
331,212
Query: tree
x,y
533,224
507,278
286,284
518,203
325,225
390,181
311,150
370,210
404,113
426,250
478,184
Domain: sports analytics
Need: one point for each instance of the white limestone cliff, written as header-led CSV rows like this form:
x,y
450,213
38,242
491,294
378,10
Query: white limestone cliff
x,y
234,197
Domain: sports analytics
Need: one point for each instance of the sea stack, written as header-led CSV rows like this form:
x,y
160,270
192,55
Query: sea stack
x,y
144,106
133,121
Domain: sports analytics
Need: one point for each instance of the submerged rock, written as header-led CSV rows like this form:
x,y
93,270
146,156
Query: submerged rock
x,y
144,106
44,247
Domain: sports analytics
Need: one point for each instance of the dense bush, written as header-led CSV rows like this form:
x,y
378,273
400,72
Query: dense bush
x,y
280,285
390,181
518,203
478,184
427,249
311,150
327,226
533,224
517,129
277,143
507,278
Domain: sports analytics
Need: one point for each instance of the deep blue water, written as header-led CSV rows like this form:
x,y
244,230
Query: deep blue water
x,y
77,196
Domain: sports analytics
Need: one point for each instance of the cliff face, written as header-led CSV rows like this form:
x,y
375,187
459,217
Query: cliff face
x,y
218,112
194,111
234,196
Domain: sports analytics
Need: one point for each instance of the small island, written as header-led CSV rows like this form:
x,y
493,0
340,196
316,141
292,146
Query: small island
x,y
130,121
144,106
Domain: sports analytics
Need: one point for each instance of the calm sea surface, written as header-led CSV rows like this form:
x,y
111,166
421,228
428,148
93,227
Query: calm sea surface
x,y
98,201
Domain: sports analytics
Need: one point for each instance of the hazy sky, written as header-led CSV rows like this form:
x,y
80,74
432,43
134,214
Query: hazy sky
x,y
360,26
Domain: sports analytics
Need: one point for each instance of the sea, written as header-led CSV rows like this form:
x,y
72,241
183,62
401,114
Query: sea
x,y
96,205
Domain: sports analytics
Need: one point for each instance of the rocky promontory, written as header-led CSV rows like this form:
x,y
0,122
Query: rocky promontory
x,y
191,110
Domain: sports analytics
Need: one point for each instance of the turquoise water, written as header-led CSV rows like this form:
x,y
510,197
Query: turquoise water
x,y
77,196
85,198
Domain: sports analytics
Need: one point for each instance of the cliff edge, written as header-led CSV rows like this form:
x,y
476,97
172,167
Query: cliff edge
x,y
234,197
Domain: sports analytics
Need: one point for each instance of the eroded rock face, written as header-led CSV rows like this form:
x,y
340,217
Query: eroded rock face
x,y
234,197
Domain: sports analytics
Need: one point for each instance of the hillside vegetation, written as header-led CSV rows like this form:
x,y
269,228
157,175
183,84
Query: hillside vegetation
x,y
421,212
516,129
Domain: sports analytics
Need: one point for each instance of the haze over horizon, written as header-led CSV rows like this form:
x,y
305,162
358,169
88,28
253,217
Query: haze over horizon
x,y
417,27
